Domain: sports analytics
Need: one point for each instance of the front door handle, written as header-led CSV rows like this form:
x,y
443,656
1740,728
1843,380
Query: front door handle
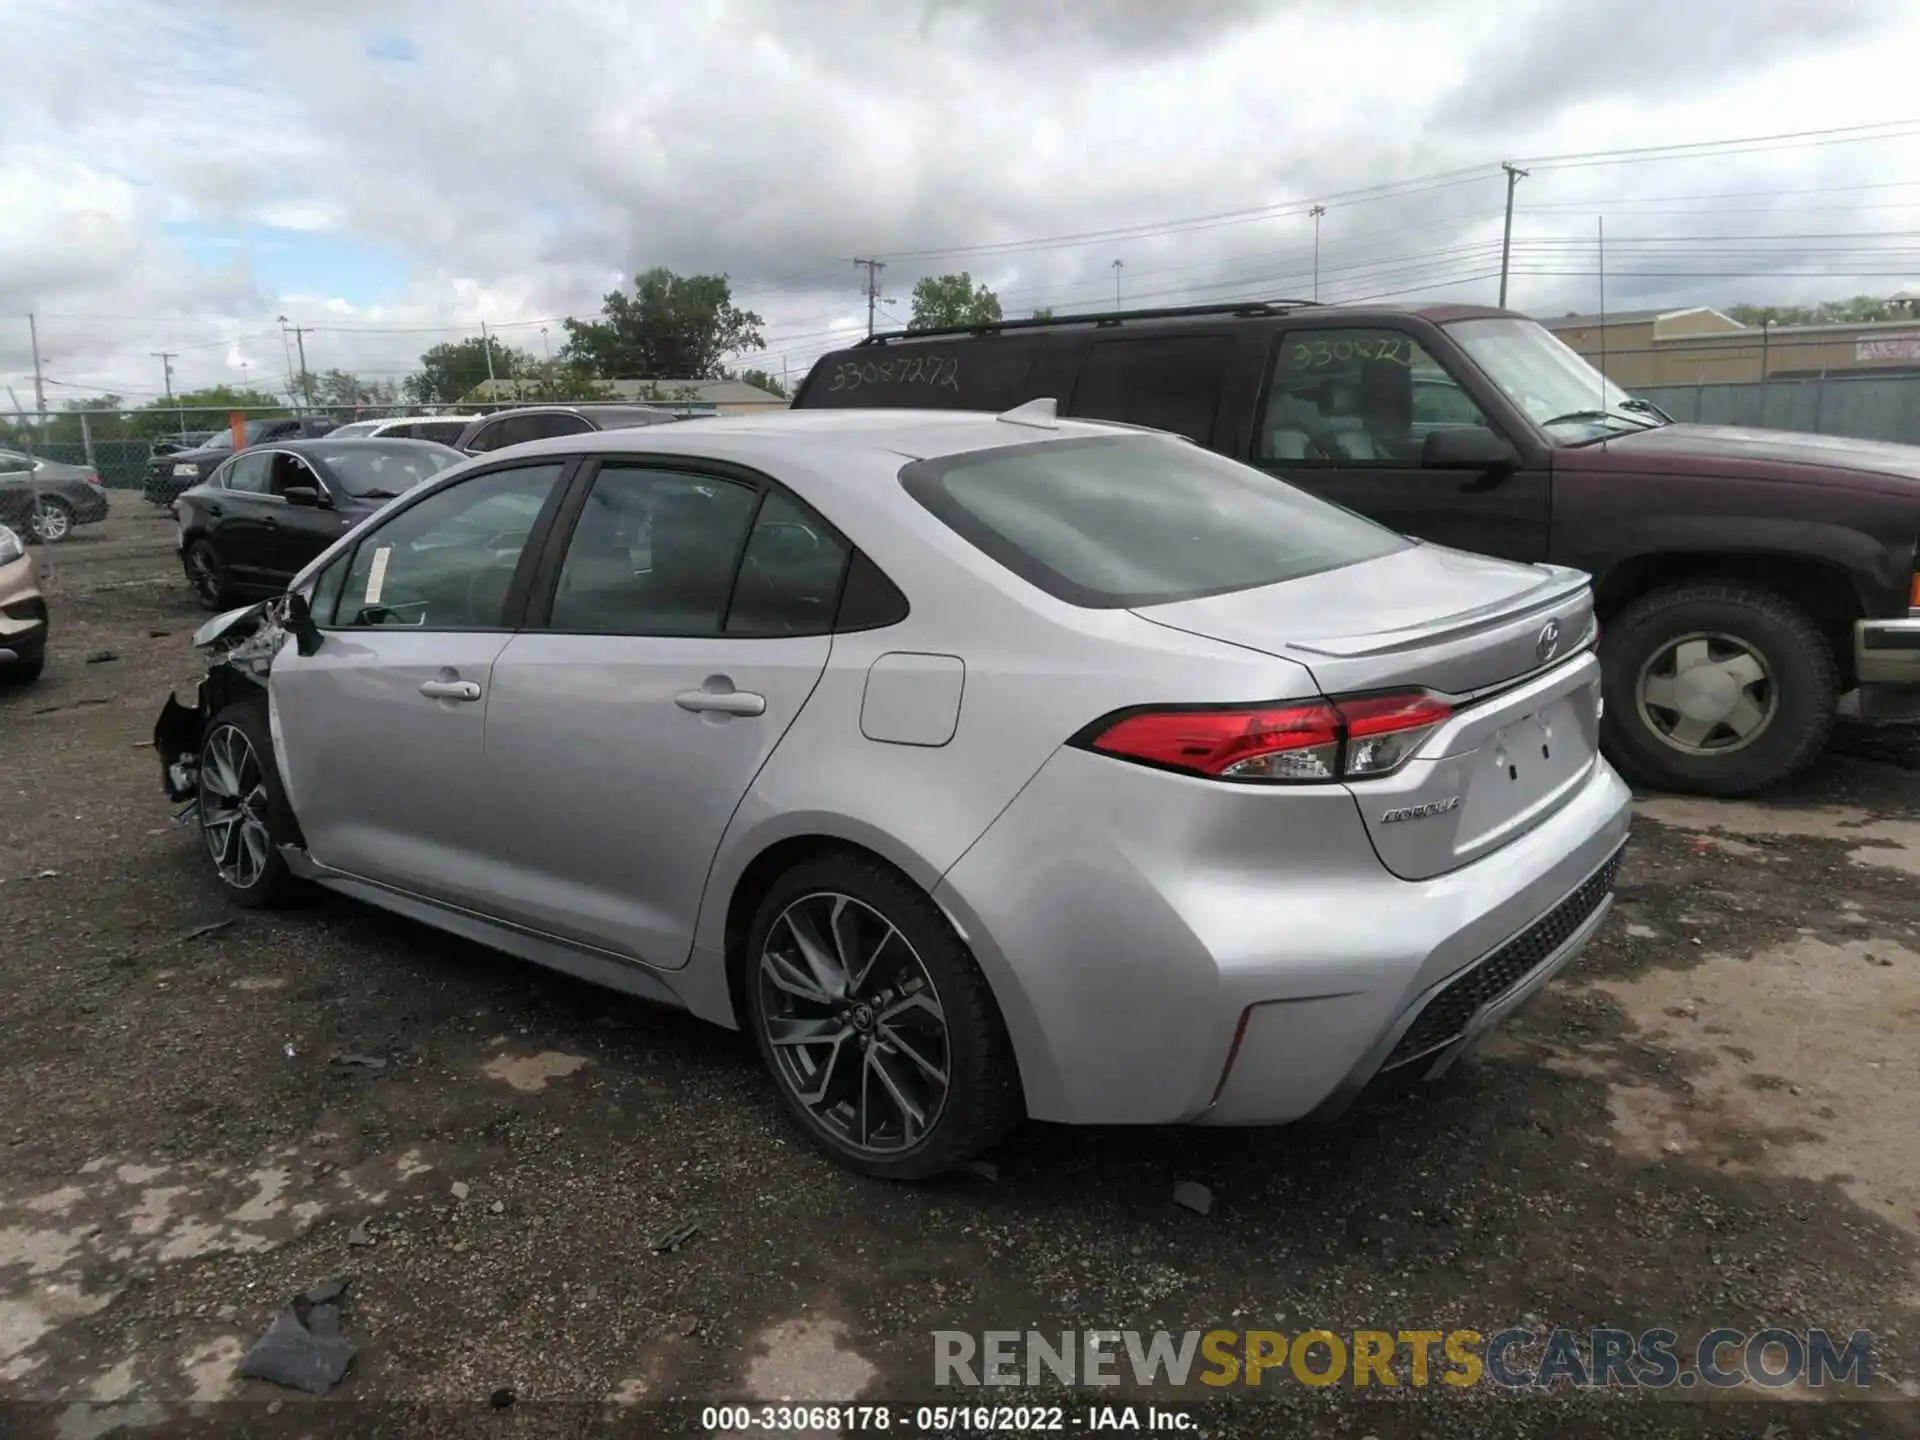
x,y
450,689
721,702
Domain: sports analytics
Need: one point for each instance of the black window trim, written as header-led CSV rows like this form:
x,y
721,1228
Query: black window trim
x,y
537,614
513,608
925,481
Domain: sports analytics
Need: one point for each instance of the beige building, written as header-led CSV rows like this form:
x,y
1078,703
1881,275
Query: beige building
x,y
699,397
1702,346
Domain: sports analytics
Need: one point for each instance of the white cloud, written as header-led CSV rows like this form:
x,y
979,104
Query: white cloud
x,y
530,157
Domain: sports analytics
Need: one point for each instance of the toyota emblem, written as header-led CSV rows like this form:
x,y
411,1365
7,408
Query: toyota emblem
x,y
1548,642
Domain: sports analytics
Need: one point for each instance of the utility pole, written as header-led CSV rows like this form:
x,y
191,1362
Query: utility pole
x,y
1514,176
166,359
486,344
1316,212
287,350
546,350
874,267
306,380
39,385
1117,265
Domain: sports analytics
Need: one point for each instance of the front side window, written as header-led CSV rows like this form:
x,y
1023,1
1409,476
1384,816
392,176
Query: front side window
x,y
447,562
1139,519
1365,396
248,473
1559,390
654,553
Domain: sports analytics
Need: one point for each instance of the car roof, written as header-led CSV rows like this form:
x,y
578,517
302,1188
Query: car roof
x,y
317,445
1141,322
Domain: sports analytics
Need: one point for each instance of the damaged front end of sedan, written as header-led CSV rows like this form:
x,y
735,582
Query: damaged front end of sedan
x,y
240,647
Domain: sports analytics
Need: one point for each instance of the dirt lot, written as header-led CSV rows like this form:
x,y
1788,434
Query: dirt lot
x,y
1711,1121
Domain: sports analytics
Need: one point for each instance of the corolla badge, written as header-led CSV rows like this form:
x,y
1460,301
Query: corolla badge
x,y
1420,812
1547,642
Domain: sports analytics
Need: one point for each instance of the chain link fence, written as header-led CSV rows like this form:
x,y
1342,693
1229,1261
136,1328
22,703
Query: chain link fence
x,y
118,444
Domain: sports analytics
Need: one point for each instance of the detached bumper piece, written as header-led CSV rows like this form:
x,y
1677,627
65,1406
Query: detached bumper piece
x,y
176,740
1450,1011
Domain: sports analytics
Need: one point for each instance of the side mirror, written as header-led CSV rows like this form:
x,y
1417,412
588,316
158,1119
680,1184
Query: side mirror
x,y
304,495
1469,447
298,620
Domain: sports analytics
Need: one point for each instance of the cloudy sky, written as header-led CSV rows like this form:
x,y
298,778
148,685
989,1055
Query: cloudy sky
x,y
175,176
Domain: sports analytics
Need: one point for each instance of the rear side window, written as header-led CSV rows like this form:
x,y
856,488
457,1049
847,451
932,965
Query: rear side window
x,y
1171,383
988,373
1139,519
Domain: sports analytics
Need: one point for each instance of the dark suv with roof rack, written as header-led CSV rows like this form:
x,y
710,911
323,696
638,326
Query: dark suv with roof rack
x,y
1753,584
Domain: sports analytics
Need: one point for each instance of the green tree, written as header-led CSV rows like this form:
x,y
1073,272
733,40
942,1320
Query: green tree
x,y
448,372
673,327
1045,312
554,381
1859,310
760,379
944,301
340,389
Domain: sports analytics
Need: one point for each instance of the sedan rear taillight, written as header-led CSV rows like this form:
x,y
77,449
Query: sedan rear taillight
x,y
92,477
1357,738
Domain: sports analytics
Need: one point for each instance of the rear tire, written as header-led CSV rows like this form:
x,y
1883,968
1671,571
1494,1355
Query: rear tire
x,y
891,978
208,576
1716,688
244,815
51,522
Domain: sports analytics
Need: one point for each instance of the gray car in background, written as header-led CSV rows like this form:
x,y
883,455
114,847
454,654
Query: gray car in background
x,y
42,500
980,767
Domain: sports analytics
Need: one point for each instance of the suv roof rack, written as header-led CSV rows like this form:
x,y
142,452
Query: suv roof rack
x,y
1098,318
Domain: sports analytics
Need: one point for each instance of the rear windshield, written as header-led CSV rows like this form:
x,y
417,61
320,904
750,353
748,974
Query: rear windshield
x,y
1139,520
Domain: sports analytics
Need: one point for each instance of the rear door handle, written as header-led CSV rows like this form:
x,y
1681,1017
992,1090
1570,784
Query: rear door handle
x,y
722,702
450,689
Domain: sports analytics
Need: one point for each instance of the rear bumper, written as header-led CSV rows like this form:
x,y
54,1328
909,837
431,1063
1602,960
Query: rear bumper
x,y
1149,973
23,645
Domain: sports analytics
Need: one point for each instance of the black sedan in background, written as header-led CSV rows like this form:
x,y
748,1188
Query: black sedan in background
x,y
171,473
271,508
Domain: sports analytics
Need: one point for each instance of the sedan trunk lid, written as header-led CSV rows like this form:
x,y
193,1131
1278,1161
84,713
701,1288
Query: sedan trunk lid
x,y
1508,646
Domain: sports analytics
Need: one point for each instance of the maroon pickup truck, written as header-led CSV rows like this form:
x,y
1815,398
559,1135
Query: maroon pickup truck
x,y
1752,585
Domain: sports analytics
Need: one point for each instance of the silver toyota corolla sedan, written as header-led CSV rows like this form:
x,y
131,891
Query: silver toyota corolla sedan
x,y
979,766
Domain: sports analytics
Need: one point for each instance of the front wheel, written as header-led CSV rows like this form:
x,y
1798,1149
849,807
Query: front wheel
x,y
876,1024
1716,688
208,576
244,815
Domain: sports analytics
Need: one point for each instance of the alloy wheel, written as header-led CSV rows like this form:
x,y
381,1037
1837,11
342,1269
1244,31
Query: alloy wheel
x,y
854,1023
202,574
50,523
1707,693
234,807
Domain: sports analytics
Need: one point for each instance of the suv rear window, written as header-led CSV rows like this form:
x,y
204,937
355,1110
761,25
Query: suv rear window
x,y
1110,522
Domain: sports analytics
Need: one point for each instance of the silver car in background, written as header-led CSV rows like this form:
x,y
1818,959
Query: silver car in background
x,y
979,766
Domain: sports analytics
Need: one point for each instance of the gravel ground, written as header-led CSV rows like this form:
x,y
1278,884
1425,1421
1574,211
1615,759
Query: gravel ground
x,y
1709,1122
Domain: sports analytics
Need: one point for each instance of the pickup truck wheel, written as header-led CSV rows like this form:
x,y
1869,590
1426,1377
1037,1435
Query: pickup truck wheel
x,y
1716,689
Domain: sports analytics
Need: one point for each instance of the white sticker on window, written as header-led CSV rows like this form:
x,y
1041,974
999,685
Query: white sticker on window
x,y
377,575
